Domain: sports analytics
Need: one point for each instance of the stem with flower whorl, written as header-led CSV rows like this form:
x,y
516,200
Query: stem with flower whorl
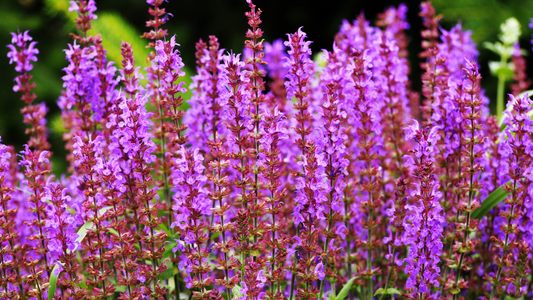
x,y
37,166
155,75
100,82
10,271
192,208
273,131
120,194
423,226
430,34
80,101
255,86
300,70
310,196
89,161
368,117
518,162
85,10
238,123
155,71
168,64
22,53
470,127
210,104
394,20
433,63
332,143
63,238
157,33
397,214
393,72
36,162
219,192
137,140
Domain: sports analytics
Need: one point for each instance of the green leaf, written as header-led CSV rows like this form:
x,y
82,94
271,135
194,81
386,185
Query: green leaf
x,y
82,232
345,289
236,290
168,249
332,296
56,125
389,291
491,47
113,231
122,31
82,285
169,272
53,282
490,202
170,234
502,69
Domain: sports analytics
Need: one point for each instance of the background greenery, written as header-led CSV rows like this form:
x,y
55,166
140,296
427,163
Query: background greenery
x,y
50,23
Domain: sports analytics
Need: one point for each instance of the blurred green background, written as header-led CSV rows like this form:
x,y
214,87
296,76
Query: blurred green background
x,y
50,23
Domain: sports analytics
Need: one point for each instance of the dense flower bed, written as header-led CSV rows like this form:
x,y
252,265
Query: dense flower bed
x,y
287,178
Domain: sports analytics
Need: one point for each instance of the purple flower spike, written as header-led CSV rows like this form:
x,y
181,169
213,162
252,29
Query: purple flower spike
x,y
425,217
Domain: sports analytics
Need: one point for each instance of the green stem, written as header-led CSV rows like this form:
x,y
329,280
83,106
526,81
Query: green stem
x,y
369,254
177,286
500,97
293,277
348,247
390,273
471,193
499,272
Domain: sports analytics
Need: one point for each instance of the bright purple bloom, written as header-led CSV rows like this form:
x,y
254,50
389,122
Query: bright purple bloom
x,y
90,8
319,271
299,64
238,99
274,56
457,45
204,117
24,57
188,180
169,58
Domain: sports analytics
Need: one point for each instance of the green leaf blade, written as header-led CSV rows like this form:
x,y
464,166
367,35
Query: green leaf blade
x,y
53,281
345,289
236,290
490,202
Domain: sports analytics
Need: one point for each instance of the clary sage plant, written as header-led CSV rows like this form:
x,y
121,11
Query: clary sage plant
x,y
285,179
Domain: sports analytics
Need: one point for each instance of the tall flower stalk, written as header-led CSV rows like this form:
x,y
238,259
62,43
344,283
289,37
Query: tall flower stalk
x,y
423,224
514,143
468,202
300,70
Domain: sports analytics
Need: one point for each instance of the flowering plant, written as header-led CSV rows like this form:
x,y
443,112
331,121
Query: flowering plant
x,y
287,178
